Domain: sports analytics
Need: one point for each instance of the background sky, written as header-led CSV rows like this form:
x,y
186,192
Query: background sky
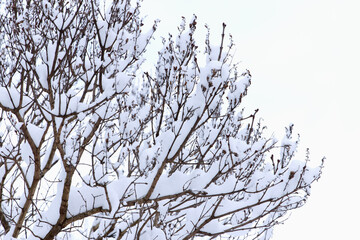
x,y
304,57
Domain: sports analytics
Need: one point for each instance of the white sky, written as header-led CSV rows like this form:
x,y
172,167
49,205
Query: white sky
x,y
304,57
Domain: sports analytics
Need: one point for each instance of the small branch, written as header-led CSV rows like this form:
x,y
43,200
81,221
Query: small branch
x,y
83,215
222,41
251,127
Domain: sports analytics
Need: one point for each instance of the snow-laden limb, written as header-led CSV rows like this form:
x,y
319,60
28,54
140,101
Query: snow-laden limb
x,y
90,148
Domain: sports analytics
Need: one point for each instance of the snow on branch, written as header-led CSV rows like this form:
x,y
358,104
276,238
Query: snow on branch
x,y
91,148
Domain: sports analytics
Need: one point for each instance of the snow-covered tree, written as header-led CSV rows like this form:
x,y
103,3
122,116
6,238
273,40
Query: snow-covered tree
x,y
94,147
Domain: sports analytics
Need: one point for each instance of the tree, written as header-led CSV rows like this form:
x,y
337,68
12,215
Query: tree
x,y
93,148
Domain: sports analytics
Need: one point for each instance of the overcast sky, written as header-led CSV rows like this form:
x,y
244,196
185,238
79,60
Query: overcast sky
x,y
304,57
